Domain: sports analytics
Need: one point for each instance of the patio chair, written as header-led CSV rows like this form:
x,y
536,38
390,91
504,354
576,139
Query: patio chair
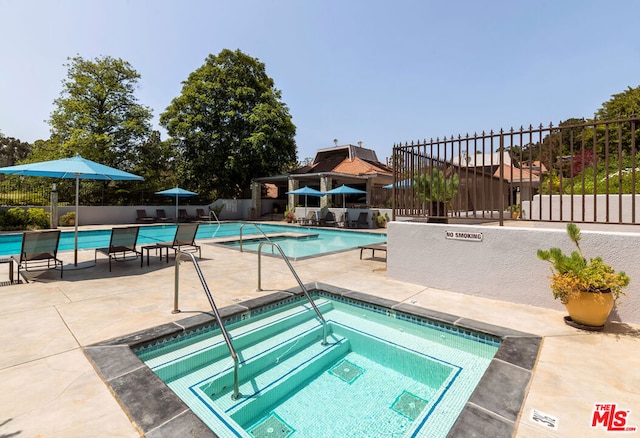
x,y
362,221
161,216
309,219
183,216
329,220
38,248
344,220
123,241
185,237
201,216
143,218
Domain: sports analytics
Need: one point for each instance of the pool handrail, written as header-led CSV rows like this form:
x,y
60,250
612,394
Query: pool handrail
x,y
216,314
257,228
213,213
295,274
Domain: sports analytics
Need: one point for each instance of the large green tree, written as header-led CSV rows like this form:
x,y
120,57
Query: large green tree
x,y
97,114
12,150
229,125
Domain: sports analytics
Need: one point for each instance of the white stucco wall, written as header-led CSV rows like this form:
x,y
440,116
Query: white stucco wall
x,y
504,265
234,209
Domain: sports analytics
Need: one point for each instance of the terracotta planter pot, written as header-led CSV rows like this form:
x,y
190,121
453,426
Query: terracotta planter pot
x,y
590,309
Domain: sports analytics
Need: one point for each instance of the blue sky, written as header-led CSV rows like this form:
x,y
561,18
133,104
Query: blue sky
x,y
380,72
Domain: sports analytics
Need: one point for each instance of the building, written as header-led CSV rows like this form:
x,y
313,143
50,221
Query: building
x,y
355,166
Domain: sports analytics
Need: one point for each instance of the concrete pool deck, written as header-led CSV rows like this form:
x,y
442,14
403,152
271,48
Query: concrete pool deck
x,y
48,388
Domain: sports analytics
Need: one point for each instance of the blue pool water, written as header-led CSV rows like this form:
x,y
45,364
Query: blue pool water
x,y
312,241
382,373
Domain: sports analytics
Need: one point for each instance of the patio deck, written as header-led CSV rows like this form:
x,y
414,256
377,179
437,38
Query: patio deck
x,y
49,388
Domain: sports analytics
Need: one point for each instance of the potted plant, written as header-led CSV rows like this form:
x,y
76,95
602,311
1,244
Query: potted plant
x,y
515,211
289,215
438,189
588,289
380,220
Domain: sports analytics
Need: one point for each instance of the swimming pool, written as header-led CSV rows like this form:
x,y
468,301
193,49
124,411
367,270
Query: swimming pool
x,y
309,241
433,365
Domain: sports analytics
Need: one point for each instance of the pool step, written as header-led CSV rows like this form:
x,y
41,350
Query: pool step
x,y
268,380
212,352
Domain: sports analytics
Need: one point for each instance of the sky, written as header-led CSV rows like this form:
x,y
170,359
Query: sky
x,y
371,71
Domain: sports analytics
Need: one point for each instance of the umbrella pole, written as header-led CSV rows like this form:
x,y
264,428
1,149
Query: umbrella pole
x,y
75,237
176,209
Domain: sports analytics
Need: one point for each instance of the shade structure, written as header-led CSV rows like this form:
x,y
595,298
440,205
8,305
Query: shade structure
x,y
344,190
72,168
305,191
177,193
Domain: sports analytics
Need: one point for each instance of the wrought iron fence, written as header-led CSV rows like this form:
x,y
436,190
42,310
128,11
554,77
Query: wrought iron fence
x,y
578,171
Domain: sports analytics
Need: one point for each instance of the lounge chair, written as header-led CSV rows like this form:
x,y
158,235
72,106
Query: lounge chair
x,y
161,216
362,221
201,216
39,247
183,216
309,219
185,237
143,218
123,241
329,220
344,220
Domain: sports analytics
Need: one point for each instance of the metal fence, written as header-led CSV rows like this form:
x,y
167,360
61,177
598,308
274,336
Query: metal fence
x,y
578,171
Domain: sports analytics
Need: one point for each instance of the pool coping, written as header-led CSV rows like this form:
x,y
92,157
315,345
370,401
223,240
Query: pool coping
x,y
493,409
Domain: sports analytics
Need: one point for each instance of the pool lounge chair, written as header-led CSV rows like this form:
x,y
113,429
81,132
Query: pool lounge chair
x,y
123,241
329,220
309,219
161,216
143,218
39,251
201,216
343,222
362,221
183,216
185,237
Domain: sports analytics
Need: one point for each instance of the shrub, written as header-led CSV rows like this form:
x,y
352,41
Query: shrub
x,y
68,219
38,218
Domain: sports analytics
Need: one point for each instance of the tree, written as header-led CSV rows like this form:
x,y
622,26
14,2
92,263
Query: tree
x,y
97,114
229,126
621,105
12,150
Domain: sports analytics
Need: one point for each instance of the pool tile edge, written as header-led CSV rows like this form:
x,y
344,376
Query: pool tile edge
x,y
509,372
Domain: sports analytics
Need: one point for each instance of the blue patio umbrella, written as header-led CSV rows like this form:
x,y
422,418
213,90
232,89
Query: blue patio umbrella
x,y
404,184
305,191
72,168
344,190
176,192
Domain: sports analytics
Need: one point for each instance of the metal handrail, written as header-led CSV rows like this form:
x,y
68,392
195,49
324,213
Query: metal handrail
x,y
216,314
257,228
211,212
295,274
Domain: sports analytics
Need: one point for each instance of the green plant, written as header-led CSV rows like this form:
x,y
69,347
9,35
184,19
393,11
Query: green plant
x,y
572,274
38,218
68,219
290,215
515,208
436,186
380,219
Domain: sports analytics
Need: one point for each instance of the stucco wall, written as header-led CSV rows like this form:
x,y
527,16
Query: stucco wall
x,y
234,209
504,265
